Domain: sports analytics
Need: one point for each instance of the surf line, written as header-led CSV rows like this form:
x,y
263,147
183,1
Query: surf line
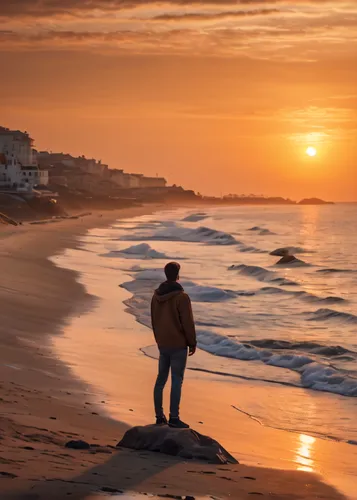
x,y
214,372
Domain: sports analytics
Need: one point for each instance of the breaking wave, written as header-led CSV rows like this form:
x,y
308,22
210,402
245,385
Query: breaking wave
x,y
332,315
309,347
314,375
146,280
177,233
141,251
306,296
261,274
202,234
199,293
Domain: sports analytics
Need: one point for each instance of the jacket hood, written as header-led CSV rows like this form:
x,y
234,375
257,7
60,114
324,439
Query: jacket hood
x,y
167,290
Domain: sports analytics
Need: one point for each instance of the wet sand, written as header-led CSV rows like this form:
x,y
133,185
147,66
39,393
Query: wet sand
x,y
67,374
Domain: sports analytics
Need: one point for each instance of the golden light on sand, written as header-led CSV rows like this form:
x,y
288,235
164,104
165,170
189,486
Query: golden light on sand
x,y
311,151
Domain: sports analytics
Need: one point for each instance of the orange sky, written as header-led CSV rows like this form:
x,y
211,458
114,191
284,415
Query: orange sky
x,y
219,96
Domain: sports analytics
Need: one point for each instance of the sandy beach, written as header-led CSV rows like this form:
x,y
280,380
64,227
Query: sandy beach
x,y
67,374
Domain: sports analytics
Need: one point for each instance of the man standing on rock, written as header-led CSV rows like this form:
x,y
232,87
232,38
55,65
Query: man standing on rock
x,y
174,330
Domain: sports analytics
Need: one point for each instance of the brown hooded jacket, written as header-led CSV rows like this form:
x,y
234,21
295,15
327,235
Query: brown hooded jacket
x,y
171,317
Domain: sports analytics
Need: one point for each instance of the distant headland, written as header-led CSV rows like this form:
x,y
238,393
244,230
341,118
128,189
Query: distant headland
x,y
265,200
34,184
315,201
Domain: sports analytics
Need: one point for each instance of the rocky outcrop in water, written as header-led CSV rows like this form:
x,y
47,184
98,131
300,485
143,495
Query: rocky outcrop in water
x,y
289,259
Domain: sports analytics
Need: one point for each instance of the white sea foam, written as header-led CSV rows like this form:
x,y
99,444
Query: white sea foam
x,y
314,375
199,293
141,251
146,280
179,233
327,378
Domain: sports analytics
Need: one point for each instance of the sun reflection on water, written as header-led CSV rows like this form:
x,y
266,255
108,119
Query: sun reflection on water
x,y
304,453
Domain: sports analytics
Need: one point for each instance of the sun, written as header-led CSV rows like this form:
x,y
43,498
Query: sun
x,y
311,151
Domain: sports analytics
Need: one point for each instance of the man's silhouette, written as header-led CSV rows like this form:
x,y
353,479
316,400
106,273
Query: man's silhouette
x,y
174,330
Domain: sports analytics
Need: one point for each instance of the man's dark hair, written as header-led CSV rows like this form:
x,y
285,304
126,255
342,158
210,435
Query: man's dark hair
x,y
172,270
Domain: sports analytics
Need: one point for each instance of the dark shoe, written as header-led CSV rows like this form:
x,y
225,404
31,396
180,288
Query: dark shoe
x,y
161,420
176,423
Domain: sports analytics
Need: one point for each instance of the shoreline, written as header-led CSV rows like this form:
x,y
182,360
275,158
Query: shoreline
x,y
42,399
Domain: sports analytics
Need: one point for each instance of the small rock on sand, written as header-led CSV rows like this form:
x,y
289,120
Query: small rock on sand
x,y
108,489
8,475
78,445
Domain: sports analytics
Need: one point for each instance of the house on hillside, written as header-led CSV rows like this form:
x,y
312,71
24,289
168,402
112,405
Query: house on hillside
x,y
15,177
19,170
86,165
117,176
18,145
153,182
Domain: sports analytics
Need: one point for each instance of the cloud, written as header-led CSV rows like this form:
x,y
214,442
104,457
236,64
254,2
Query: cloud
x,y
208,16
53,7
281,30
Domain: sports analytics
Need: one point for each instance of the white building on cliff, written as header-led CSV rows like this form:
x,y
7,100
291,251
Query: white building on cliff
x,y
19,170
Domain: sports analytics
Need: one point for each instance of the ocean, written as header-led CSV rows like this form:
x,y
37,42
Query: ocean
x,y
289,327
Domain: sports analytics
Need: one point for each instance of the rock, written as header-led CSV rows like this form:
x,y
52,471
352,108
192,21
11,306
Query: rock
x,y
281,252
174,497
289,259
183,443
78,445
108,489
8,475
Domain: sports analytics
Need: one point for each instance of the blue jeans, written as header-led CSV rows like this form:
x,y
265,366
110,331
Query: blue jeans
x,y
176,360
